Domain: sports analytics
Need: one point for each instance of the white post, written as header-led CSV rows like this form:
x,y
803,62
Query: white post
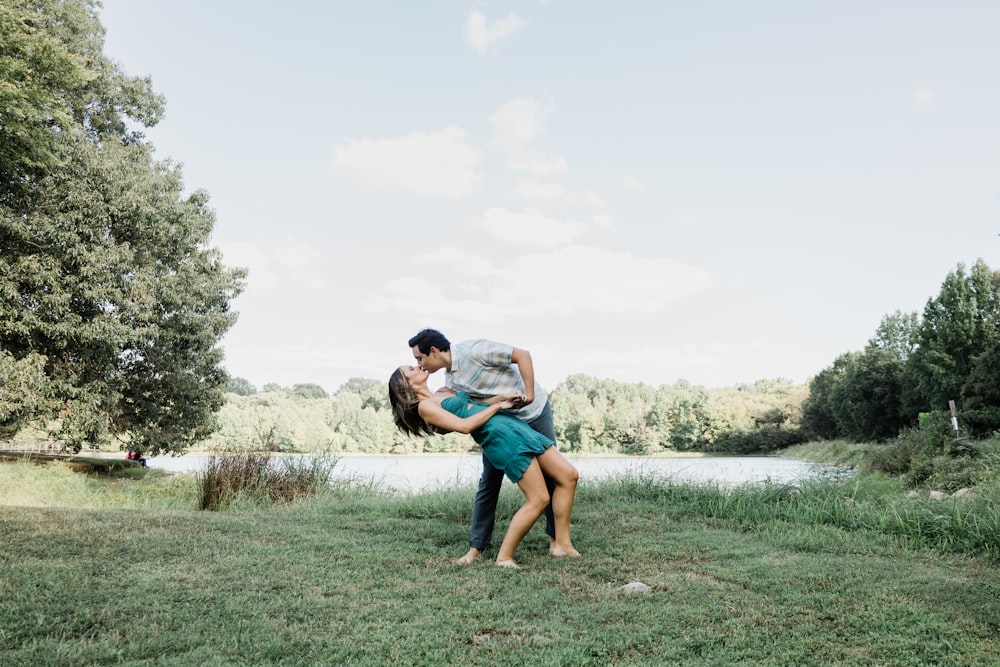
x,y
954,416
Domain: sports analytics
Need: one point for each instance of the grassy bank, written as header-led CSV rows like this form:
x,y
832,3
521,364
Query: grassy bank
x,y
832,452
93,574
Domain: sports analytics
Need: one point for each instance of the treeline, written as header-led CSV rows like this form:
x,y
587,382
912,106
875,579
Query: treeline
x,y
591,416
914,366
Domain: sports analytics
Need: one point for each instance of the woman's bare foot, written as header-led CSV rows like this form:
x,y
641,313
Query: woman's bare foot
x,y
469,557
563,552
508,564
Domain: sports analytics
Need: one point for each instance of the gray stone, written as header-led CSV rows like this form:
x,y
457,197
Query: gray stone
x,y
636,587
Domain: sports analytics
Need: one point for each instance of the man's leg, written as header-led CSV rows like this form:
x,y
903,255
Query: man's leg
x,y
484,512
545,425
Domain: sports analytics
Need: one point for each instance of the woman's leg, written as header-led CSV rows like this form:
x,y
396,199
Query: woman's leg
x,y
536,497
565,475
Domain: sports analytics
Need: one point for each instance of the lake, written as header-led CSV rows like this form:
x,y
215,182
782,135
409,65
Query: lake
x,y
420,472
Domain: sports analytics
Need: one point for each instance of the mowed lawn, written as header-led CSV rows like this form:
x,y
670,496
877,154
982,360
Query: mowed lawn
x,y
357,577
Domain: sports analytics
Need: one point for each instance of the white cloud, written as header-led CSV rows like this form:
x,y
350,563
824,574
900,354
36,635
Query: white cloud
x,y
632,183
576,280
554,194
711,362
604,221
416,296
922,98
534,228
533,162
441,164
607,283
271,263
520,121
518,124
483,35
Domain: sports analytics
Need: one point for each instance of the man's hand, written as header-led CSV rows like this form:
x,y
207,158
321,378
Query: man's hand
x,y
512,400
520,400
527,369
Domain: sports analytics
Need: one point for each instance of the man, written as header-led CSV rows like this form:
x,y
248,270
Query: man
x,y
483,368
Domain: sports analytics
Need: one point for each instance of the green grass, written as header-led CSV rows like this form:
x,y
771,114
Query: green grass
x,y
770,575
831,452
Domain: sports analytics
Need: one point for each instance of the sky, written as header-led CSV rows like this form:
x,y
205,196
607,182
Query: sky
x,y
716,192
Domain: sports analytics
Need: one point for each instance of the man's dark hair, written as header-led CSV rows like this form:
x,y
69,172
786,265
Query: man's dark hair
x,y
429,338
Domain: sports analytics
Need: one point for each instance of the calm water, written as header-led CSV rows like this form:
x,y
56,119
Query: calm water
x,y
432,471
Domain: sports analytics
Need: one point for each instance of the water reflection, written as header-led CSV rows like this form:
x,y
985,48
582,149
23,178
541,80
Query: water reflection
x,y
434,471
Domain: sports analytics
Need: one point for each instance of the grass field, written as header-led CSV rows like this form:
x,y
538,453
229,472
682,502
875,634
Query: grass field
x,y
98,570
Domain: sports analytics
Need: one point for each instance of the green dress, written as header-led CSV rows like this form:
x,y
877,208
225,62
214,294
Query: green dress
x,y
508,443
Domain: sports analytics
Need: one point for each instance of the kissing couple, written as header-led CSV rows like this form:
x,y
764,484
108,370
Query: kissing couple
x,y
490,392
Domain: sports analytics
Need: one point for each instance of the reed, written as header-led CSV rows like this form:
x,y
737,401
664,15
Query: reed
x,y
253,479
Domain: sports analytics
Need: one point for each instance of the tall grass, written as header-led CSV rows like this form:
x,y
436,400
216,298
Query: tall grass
x,y
872,507
253,480
872,504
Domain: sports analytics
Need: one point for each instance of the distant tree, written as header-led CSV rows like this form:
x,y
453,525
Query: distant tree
x,y
687,415
373,393
307,390
980,405
898,334
819,420
360,386
240,387
273,387
866,401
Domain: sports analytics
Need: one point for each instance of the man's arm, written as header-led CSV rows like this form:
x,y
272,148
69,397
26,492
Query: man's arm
x,y
527,369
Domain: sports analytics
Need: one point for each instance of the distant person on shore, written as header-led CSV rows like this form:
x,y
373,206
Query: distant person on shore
x,y
483,368
133,455
509,445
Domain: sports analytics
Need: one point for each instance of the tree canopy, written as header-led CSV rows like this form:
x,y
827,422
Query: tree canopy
x,y
112,301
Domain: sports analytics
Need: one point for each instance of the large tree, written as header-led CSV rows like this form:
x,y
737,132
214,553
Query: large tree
x,y
107,279
866,402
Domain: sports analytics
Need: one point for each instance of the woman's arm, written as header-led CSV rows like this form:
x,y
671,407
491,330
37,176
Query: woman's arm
x,y
435,415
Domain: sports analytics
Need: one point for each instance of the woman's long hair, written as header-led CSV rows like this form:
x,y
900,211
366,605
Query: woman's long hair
x,y
404,404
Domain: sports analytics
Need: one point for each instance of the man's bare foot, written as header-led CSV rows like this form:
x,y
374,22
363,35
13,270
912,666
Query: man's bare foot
x,y
508,564
563,552
469,557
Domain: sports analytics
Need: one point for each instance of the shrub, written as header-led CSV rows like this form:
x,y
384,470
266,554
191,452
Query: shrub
x,y
762,440
896,457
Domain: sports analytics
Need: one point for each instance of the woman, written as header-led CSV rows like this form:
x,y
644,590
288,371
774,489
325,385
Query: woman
x,y
509,444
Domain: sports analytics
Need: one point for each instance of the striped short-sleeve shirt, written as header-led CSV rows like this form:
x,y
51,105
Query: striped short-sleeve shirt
x,y
483,368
